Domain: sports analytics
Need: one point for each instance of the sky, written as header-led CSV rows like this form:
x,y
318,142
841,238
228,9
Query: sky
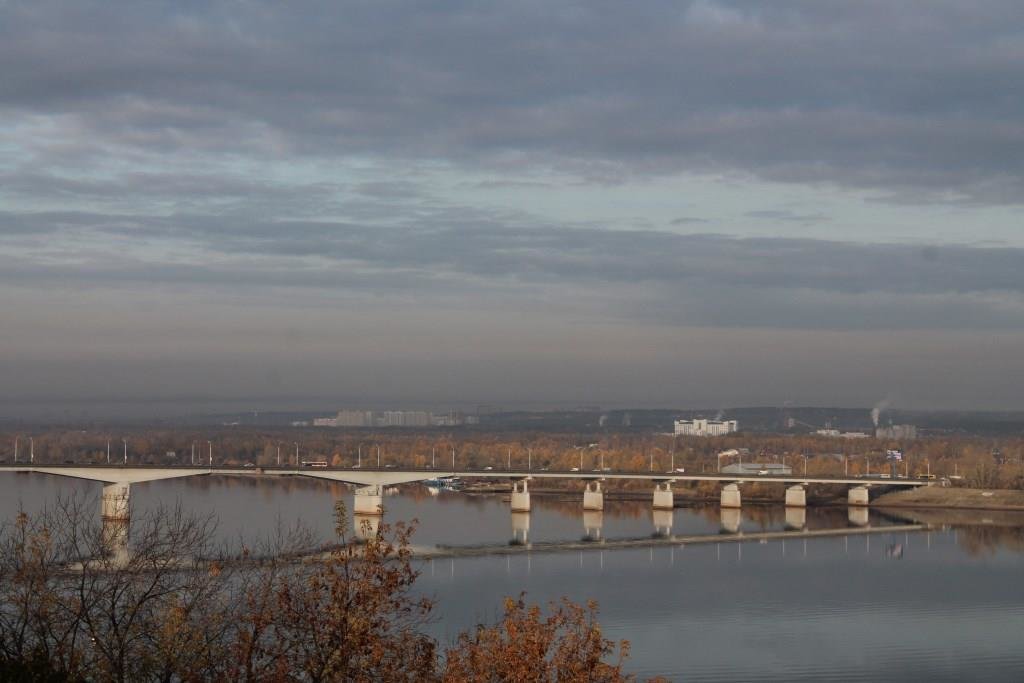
x,y
528,204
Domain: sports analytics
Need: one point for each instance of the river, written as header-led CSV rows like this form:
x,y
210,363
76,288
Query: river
x,y
939,604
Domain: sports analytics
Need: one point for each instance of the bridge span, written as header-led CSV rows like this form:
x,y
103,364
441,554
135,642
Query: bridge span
x,y
371,481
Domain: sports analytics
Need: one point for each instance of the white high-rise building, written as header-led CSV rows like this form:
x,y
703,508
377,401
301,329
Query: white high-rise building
x,y
704,427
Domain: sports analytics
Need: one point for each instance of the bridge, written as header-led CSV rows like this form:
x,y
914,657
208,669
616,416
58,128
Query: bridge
x,y
371,482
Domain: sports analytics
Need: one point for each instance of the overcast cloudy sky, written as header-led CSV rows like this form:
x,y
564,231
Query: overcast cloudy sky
x,y
705,203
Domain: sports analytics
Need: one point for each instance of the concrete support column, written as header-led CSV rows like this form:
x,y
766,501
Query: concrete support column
x,y
116,499
593,496
662,523
593,521
520,496
115,514
858,495
663,496
520,528
730,496
369,500
796,496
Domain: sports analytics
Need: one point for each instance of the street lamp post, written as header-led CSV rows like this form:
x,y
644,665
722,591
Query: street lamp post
x,y
108,451
278,455
15,449
210,444
125,442
453,459
433,452
359,458
508,462
31,449
805,464
529,459
296,453
192,459
378,457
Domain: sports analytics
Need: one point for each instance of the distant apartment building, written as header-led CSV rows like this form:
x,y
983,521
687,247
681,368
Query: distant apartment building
x,y
391,418
897,432
703,427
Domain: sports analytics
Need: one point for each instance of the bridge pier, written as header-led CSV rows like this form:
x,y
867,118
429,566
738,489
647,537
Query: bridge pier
x,y
796,518
520,528
116,502
662,522
664,499
858,495
593,520
520,496
796,496
115,514
368,500
730,496
593,496
731,519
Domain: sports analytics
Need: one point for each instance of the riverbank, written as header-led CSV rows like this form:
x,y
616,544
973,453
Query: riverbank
x,y
953,498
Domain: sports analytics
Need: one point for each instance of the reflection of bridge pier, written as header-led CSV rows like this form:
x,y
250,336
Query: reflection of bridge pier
x,y
366,526
858,516
593,496
796,518
593,520
520,528
731,519
115,512
662,522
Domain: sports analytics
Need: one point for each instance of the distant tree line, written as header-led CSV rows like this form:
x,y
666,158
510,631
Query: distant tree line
x,y
974,461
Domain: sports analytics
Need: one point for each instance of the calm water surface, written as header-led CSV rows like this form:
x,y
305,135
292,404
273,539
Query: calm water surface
x,y
941,605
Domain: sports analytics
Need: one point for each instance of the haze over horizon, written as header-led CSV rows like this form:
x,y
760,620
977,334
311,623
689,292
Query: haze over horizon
x,y
693,204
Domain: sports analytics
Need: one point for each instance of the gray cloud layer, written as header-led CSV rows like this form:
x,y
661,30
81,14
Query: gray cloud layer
x,y
450,258
912,99
294,198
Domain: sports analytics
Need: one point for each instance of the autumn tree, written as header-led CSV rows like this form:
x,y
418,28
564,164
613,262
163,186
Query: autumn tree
x,y
527,646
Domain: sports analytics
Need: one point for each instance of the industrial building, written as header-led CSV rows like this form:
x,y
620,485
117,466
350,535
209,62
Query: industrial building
x,y
703,427
897,432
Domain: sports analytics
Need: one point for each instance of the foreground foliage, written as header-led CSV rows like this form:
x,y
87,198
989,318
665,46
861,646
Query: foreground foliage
x,y
73,607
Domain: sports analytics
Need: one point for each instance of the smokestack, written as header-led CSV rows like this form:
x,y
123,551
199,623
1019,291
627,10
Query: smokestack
x,y
876,412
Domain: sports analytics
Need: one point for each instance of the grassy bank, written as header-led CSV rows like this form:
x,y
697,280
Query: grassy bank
x,y
954,498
